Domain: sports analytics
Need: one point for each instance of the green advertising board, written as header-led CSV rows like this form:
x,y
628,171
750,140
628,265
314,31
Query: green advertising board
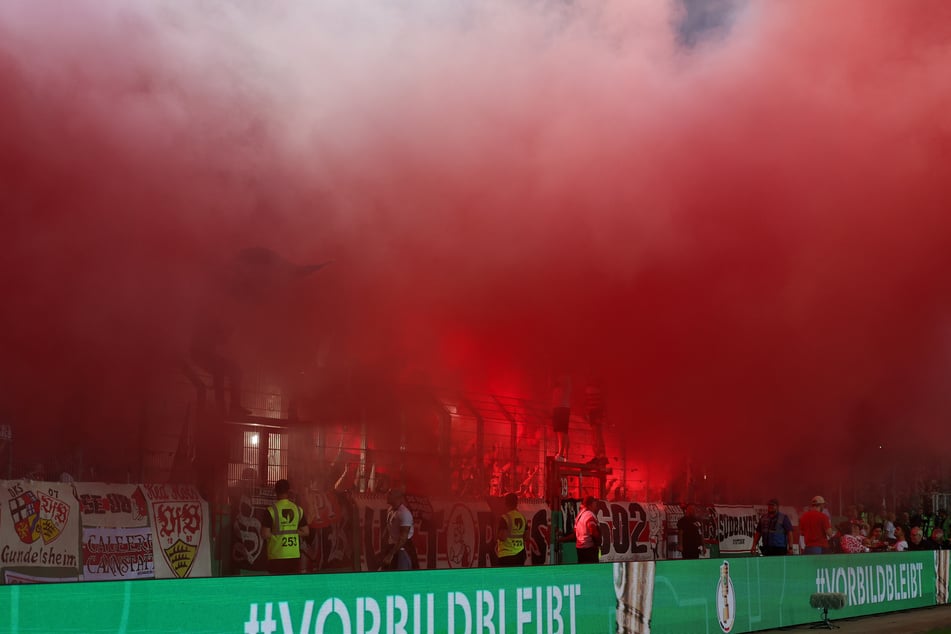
x,y
758,593
556,599
724,595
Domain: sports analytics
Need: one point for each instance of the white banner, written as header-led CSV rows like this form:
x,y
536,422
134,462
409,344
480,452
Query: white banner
x,y
39,525
112,505
735,528
110,554
181,530
12,577
631,531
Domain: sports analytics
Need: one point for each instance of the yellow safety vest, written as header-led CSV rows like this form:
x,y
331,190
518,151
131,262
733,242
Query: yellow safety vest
x,y
284,542
515,542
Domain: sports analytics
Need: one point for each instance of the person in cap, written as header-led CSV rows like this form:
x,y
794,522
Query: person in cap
x,y
816,528
775,531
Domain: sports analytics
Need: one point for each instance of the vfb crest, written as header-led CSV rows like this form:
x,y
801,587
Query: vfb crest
x,y
37,515
178,528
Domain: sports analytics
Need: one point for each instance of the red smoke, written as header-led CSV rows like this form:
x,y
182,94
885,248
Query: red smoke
x,y
747,238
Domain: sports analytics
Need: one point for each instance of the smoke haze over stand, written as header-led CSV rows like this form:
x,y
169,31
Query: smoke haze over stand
x,y
746,237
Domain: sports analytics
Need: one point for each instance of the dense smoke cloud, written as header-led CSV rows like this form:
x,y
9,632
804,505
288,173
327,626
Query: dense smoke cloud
x,y
740,224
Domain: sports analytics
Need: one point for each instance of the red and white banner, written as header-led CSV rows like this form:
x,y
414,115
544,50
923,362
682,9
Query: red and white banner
x,y
96,531
181,531
111,554
112,505
39,526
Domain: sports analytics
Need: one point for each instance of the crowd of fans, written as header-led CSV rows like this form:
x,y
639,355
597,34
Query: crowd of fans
x,y
862,532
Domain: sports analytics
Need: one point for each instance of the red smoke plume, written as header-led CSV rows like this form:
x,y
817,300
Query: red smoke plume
x,y
746,237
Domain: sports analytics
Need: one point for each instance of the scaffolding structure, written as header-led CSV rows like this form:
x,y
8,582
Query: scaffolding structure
x,y
467,445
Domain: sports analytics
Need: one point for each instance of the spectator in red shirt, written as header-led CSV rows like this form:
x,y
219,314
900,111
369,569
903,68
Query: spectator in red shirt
x,y
816,528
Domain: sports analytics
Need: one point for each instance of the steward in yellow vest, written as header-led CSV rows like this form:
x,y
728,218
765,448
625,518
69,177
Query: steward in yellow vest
x,y
282,529
510,544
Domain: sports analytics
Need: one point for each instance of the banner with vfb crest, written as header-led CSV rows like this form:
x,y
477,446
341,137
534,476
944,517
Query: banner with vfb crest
x,y
39,528
181,531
